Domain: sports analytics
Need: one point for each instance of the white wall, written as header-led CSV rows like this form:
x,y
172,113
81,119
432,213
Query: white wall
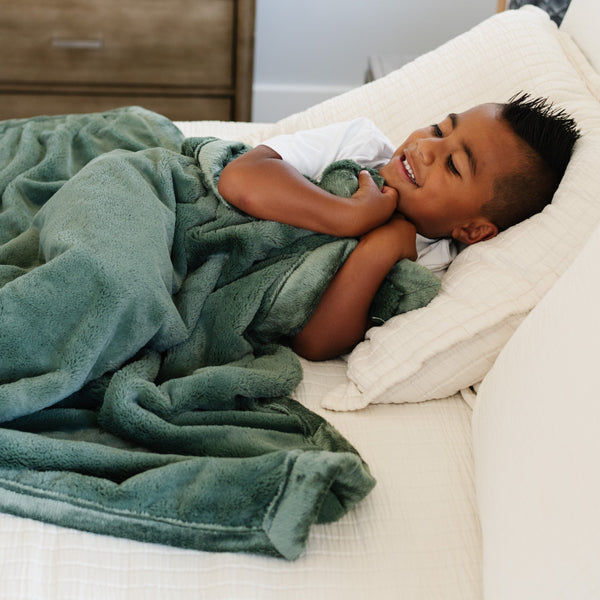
x,y
309,50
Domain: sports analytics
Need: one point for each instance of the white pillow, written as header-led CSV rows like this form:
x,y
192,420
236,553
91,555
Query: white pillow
x,y
579,13
536,438
452,343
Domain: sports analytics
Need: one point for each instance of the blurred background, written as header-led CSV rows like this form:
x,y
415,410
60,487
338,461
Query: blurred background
x,y
308,50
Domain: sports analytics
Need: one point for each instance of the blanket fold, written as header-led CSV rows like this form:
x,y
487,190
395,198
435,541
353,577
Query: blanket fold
x,y
144,391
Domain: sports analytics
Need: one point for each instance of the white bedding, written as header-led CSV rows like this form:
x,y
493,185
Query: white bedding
x,y
417,536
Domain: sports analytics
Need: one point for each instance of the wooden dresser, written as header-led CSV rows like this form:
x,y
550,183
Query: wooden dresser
x,y
186,59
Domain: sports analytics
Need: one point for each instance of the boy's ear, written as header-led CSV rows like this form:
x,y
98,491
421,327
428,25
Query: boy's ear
x,y
477,230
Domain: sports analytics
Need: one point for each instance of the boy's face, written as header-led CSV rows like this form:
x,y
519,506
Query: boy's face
x,y
445,173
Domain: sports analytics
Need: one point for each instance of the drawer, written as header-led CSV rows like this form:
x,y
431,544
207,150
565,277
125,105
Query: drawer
x,y
177,108
153,42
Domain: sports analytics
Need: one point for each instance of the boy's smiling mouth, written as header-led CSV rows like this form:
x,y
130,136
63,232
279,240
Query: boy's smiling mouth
x,y
408,170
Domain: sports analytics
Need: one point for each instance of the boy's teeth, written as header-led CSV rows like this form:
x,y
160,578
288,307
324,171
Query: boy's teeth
x,y
409,170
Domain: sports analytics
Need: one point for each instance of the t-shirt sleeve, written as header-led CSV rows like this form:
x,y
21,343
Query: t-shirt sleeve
x,y
311,150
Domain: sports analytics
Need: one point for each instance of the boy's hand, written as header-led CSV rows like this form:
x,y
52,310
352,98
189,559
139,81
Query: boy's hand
x,y
376,205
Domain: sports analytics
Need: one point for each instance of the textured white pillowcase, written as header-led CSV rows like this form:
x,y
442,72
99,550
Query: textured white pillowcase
x,y
536,445
452,343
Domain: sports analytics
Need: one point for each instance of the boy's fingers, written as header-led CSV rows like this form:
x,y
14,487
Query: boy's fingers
x,y
368,179
365,179
365,176
389,191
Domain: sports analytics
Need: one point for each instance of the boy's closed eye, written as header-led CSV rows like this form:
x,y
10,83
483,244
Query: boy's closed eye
x,y
452,167
437,132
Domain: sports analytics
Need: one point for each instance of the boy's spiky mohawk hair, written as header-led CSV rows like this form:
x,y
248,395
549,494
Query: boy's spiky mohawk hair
x,y
550,131
549,135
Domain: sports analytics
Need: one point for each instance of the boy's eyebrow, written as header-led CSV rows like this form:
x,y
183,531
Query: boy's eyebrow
x,y
472,164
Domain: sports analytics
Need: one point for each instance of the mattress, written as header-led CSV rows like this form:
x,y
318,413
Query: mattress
x,y
415,536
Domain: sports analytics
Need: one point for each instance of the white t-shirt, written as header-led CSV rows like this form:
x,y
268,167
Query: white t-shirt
x,y
312,150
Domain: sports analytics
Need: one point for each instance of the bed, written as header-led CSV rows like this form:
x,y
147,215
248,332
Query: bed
x,y
448,517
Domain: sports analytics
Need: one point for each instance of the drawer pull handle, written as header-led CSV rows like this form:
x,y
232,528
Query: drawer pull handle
x,y
77,44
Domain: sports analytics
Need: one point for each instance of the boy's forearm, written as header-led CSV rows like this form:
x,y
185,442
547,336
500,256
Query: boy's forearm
x,y
341,317
262,185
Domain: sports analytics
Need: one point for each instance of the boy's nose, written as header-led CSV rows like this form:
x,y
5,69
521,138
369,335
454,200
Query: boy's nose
x,y
428,148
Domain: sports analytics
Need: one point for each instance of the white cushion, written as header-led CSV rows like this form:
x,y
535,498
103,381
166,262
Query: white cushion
x,y
452,343
579,13
537,447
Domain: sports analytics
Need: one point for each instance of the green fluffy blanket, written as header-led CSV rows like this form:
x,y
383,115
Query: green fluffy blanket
x,y
144,391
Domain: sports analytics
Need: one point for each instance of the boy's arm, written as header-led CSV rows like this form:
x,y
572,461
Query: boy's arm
x,y
262,185
341,317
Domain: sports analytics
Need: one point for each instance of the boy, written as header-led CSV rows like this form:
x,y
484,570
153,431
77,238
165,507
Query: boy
x,y
465,179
